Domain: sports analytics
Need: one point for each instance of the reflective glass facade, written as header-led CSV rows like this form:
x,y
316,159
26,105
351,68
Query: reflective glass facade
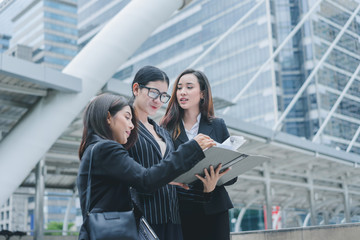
x,y
235,60
49,28
337,70
93,15
229,66
300,57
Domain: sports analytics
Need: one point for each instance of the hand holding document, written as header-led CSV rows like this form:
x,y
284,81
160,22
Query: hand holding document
x,y
232,143
227,154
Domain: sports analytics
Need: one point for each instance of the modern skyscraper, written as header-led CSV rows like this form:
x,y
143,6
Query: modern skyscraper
x,y
256,30
176,44
48,28
92,16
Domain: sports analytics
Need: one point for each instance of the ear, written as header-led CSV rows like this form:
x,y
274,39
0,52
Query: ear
x,y
108,118
202,95
136,89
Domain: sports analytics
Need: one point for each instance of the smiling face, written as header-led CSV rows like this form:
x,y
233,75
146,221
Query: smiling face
x,y
121,124
188,92
145,104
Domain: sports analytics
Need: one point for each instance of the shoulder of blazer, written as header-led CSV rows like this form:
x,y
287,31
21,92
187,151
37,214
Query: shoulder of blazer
x,y
217,121
216,129
206,127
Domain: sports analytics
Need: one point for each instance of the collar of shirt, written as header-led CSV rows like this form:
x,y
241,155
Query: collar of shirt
x,y
195,128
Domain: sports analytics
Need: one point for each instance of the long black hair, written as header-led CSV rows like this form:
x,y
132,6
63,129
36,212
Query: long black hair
x,y
95,119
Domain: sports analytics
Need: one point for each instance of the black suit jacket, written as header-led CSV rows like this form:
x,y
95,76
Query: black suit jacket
x,y
114,172
220,200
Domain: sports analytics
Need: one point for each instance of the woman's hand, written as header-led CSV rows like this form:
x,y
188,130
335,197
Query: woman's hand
x,y
183,185
204,141
210,180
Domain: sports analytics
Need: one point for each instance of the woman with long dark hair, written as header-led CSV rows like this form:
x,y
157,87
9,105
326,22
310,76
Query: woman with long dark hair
x,y
189,112
110,123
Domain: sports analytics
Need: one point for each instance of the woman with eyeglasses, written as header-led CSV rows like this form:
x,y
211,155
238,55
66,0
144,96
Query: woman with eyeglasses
x,y
154,144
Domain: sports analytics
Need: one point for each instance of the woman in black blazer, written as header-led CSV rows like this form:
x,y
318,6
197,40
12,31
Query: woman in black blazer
x,y
189,112
109,121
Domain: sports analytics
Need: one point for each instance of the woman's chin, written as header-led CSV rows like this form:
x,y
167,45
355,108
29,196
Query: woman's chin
x,y
152,112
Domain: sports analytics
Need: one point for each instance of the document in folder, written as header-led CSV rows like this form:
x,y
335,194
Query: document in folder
x,y
227,155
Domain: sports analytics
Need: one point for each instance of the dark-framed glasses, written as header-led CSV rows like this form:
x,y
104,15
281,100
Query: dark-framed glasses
x,y
154,93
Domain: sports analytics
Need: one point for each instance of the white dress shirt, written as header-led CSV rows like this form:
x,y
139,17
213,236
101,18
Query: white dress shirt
x,y
195,128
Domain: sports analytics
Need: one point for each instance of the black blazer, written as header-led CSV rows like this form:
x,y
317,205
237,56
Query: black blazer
x,y
114,172
220,200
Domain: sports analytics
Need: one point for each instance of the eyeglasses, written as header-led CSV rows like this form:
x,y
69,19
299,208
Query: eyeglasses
x,y
155,93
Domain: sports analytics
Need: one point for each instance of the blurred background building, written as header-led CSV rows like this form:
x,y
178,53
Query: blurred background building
x,y
244,37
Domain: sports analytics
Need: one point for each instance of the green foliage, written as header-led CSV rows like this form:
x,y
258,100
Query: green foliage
x,y
57,226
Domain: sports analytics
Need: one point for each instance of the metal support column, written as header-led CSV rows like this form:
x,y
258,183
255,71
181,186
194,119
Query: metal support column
x,y
325,220
242,213
346,201
311,197
268,196
39,200
353,140
67,213
306,220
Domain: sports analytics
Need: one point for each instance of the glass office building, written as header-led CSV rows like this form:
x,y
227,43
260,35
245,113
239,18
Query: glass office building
x,y
177,43
300,57
48,28
336,73
93,15
236,59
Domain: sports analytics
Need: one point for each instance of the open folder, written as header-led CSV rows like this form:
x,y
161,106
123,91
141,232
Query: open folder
x,y
226,154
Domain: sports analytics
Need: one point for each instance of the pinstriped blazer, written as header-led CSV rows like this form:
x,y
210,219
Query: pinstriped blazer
x,y
162,205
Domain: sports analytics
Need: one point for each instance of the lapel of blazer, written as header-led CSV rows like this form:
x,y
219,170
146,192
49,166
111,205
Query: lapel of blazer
x,y
205,127
149,138
182,137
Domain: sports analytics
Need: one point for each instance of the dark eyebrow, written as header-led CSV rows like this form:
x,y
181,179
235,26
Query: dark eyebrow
x,y
129,113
